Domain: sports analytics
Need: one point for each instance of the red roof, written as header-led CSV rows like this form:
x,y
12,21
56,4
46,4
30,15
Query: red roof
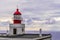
x,y
17,12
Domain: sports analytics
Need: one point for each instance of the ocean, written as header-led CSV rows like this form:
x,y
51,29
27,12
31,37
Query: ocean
x,y
55,34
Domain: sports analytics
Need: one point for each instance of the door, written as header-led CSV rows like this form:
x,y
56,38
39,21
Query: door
x,y
14,31
39,39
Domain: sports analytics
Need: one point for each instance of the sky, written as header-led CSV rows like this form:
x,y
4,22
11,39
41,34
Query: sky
x,y
36,14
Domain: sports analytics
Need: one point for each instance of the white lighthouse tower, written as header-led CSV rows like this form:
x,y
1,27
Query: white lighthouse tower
x,y
17,28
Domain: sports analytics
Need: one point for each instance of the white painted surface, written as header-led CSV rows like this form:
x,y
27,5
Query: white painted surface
x,y
41,37
18,27
20,39
48,39
15,39
19,31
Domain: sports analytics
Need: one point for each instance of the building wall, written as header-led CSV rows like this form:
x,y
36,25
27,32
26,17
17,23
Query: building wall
x,y
48,39
16,39
18,27
21,39
19,31
44,39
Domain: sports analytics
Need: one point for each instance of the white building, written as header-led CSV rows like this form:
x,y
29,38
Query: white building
x,y
17,30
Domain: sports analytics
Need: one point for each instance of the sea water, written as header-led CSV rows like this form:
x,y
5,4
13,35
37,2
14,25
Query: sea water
x,y
55,34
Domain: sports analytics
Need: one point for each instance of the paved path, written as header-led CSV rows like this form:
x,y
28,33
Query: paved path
x,y
14,39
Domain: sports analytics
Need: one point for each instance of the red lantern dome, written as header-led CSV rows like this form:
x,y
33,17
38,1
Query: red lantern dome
x,y
17,12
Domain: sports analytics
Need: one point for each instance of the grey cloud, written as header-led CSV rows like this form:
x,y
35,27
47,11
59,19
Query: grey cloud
x,y
35,9
4,24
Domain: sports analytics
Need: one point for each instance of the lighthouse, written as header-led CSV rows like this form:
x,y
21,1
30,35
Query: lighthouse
x,y
17,28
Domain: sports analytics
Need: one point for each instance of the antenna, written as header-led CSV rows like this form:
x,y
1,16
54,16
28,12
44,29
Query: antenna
x,y
17,6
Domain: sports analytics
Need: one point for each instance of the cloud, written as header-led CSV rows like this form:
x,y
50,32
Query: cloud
x,y
46,12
